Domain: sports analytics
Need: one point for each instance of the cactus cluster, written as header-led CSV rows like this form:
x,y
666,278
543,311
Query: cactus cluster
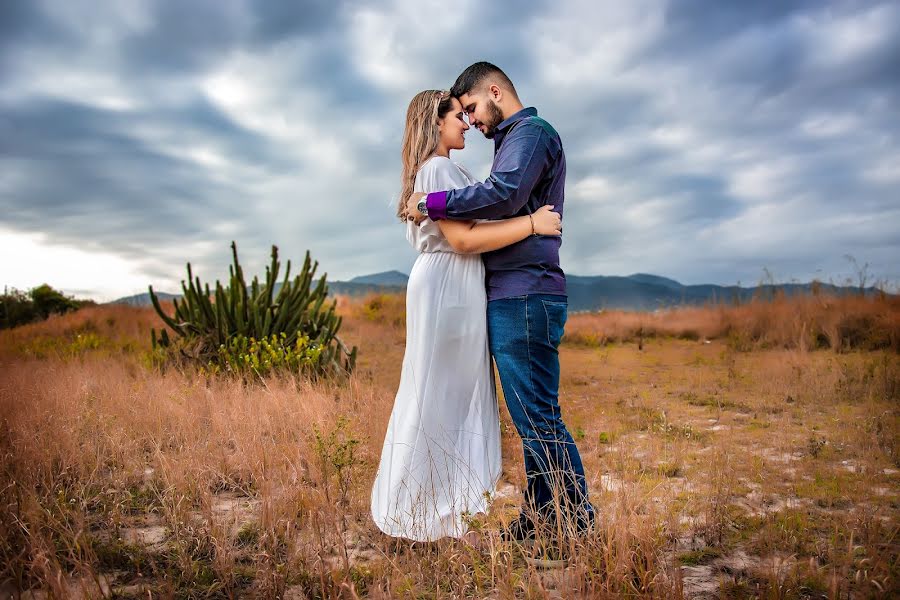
x,y
207,322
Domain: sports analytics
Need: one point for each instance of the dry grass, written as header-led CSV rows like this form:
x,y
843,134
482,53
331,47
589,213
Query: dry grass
x,y
765,473
806,323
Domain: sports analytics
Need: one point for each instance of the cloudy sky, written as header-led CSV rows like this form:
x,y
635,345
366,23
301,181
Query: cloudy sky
x,y
706,140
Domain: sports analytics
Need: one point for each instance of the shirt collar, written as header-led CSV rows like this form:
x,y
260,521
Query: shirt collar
x,y
503,127
525,112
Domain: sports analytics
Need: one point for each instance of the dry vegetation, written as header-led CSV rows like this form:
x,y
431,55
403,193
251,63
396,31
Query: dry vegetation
x,y
732,452
804,323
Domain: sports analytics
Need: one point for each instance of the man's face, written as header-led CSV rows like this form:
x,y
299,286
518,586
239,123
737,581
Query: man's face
x,y
482,111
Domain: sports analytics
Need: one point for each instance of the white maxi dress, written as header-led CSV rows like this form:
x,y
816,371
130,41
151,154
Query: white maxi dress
x,y
441,456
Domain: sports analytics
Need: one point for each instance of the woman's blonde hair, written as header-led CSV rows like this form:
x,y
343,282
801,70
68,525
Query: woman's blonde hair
x,y
420,138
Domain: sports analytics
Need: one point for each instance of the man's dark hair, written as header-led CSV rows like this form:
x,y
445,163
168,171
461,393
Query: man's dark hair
x,y
475,75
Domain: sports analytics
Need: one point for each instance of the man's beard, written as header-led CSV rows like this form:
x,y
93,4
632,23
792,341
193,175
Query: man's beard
x,y
496,119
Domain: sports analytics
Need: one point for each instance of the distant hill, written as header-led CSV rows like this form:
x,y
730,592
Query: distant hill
x,y
640,291
655,280
395,278
144,299
388,282
649,292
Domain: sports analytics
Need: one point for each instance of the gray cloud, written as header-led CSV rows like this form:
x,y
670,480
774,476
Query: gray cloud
x,y
705,140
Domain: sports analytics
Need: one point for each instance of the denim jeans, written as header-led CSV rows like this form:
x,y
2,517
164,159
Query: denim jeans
x,y
524,334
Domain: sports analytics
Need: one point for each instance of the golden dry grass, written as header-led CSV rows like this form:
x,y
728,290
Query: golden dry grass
x,y
806,323
735,461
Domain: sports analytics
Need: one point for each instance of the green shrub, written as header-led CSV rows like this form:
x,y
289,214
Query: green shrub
x,y
249,355
251,329
19,308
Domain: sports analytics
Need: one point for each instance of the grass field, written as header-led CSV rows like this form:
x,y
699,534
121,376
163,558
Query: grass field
x,y
731,452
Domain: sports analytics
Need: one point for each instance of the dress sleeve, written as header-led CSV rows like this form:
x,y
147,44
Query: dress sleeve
x,y
441,173
438,173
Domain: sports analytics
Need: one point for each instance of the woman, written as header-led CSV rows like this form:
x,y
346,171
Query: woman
x,y
441,456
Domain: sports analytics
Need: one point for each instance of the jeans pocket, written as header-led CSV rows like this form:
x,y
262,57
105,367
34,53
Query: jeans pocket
x,y
557,314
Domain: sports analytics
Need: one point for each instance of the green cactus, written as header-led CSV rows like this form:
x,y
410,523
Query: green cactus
x,y
206,322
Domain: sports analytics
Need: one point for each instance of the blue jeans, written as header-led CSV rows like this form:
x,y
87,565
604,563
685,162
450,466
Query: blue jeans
x,y
524,334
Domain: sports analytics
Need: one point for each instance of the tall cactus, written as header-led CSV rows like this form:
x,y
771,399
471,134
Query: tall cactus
x,y
205,321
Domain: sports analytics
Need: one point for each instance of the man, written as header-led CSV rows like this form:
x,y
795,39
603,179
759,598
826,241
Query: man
x,y
526,290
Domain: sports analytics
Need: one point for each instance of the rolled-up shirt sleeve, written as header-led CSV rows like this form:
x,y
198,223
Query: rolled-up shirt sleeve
x,y
518,167
437,205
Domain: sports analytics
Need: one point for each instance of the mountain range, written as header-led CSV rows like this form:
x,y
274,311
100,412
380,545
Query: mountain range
x,y
640,291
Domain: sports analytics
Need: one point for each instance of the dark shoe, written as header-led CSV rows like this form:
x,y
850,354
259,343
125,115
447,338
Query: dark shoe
x,y
553,544
581,525
521,530
548,550
546,556
585,527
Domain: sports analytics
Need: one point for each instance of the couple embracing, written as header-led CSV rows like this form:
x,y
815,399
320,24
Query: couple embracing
x,y
487,282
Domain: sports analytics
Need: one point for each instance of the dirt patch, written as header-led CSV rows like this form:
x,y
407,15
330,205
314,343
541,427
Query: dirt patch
x,y
700,582
611,483
779,456
704,581
152,537
71,588
756,504
232,509
231,504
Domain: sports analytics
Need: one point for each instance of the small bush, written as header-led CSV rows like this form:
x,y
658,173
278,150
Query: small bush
x,y
19,308
261,357
384,308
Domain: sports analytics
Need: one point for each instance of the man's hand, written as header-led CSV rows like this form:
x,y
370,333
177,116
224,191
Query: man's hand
x,y
412,208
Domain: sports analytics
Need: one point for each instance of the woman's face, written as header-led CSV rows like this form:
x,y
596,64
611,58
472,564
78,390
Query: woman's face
x,y
452,127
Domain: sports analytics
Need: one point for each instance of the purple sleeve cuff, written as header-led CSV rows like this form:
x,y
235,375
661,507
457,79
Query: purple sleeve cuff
x,y
436,202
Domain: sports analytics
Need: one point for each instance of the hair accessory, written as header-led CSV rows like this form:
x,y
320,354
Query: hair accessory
x,y
441,94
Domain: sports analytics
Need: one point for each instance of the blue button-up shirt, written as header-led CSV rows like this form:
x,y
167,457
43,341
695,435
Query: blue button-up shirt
x,y
529,171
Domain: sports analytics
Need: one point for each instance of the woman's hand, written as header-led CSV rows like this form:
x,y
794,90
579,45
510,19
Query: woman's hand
x,y
547,222
412,208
